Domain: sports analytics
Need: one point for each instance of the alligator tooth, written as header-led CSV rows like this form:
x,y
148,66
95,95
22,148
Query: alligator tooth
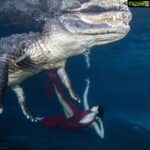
x,y
118,16
114,18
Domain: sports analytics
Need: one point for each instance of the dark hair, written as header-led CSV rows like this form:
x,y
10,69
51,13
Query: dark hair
x,y
100,112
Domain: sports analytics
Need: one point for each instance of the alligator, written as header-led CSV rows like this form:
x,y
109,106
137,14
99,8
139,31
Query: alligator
x,y
68,28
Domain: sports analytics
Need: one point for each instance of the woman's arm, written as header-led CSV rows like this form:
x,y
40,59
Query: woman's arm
x,y
98,126
85,96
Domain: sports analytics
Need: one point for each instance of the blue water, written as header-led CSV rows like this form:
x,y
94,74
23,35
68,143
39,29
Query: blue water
x,y
120,81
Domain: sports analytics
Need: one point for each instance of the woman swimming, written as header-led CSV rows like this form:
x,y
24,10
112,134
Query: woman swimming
x,y
74,119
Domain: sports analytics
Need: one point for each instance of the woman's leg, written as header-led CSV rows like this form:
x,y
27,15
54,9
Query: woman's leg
x,y
54,122
69,108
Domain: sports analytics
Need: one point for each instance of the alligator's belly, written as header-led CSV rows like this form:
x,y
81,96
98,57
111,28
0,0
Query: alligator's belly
x,y
21,75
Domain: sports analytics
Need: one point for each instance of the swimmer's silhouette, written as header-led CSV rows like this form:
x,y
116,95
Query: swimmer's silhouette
x,y
74,119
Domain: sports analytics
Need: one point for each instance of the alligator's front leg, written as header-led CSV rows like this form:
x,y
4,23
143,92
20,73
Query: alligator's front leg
x,y
65,80
22,102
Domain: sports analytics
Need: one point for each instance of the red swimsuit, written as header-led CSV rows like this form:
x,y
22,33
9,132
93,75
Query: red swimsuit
x,y
61,121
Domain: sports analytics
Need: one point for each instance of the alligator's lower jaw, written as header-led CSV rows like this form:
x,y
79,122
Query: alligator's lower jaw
x,y
118,30
104,39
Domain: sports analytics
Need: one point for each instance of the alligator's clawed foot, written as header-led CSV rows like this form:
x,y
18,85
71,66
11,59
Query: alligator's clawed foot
x,y
76,97
33,118
39,119
23,104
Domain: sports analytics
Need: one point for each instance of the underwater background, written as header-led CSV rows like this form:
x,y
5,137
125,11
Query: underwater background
x,y
119,76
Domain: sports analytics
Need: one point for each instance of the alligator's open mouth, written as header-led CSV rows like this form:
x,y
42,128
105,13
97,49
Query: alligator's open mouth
x,y
104,22
94,23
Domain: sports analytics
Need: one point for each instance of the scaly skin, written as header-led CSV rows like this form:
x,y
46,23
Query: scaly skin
x,y
69,28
